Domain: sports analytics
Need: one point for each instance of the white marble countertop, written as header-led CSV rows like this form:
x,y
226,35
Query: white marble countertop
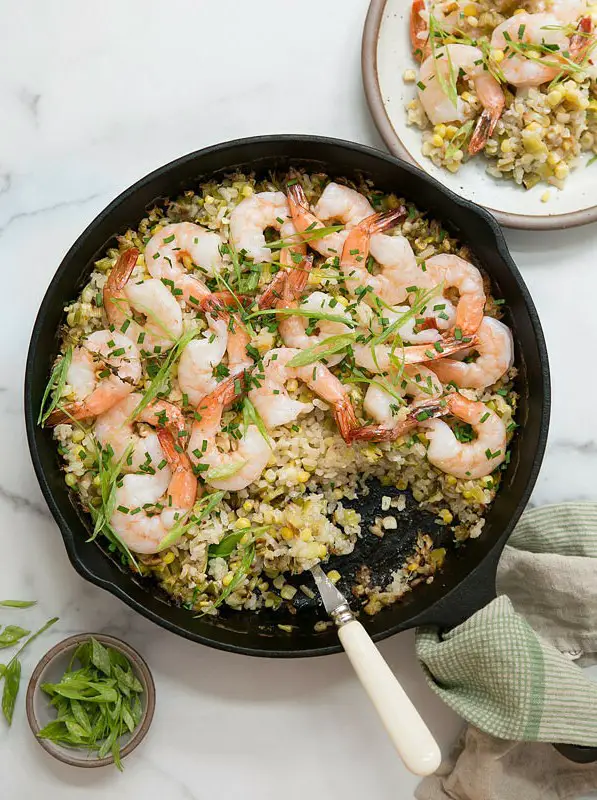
x,y
94,96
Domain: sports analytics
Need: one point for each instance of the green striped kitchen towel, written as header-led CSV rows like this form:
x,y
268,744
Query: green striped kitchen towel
x,y
512,668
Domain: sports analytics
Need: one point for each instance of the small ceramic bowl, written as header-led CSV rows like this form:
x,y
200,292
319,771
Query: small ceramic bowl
x,y
50,670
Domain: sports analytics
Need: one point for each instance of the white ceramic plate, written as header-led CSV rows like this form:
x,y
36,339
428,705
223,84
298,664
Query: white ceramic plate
x,y
386,55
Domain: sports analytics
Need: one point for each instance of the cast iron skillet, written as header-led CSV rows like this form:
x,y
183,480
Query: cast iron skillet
x,y
467,581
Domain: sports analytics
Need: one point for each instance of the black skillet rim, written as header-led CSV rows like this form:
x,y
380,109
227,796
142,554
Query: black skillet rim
x,y
487,564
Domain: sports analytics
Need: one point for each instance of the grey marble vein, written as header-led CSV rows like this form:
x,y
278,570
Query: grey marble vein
x,y
5,182
38,211
31,102
588,448
20,503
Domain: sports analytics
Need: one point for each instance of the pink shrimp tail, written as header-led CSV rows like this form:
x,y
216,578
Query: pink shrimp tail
x,y
121,271
390,433
346,419
287,285
183,484
581,42
483,130
419,31
297,199
380,222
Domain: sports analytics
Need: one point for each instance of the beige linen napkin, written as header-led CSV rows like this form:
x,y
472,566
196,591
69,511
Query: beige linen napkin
x,y
549,573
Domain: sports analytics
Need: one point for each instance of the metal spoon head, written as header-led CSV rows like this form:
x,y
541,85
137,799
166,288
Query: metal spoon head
x,y
331,597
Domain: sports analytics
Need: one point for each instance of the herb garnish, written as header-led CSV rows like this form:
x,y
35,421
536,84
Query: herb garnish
x,y
96,703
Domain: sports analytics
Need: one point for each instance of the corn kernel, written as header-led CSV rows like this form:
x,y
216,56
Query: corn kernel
x,y
70,480
287,592
248,505
78,436
583,102
451,130
553,159
287,533
561,171
292,385
446,516
451,480
306,535
437,140
554,98
545,197
242,522
472,21
440,130
409,76
303,476
247,191
168,558
533,54
209,200
96,481
518,11
467,97
470,10
458,156
532,127
506,146
498,56
322,551
334,575
412,567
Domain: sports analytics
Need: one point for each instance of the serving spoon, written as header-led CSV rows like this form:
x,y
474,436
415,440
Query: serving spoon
x,y
411,737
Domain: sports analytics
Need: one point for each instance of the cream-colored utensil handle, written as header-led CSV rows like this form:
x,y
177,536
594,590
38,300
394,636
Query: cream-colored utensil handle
x,y
411,737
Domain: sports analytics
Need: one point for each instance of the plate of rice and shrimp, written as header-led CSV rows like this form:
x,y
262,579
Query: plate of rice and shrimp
x,y
497,100
268,371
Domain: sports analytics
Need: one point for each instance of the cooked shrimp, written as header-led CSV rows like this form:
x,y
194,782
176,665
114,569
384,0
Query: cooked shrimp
x,y
417,382
252,216
453,271
495,347
419,30
468,61
270,397
152,298
382,358
530,29
355,252
337,203
238,335
293,329
199,359
398,266
423,328
181,246
342,204
467,459
241,466
140,529
116,428
273,404
104,369
567,11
